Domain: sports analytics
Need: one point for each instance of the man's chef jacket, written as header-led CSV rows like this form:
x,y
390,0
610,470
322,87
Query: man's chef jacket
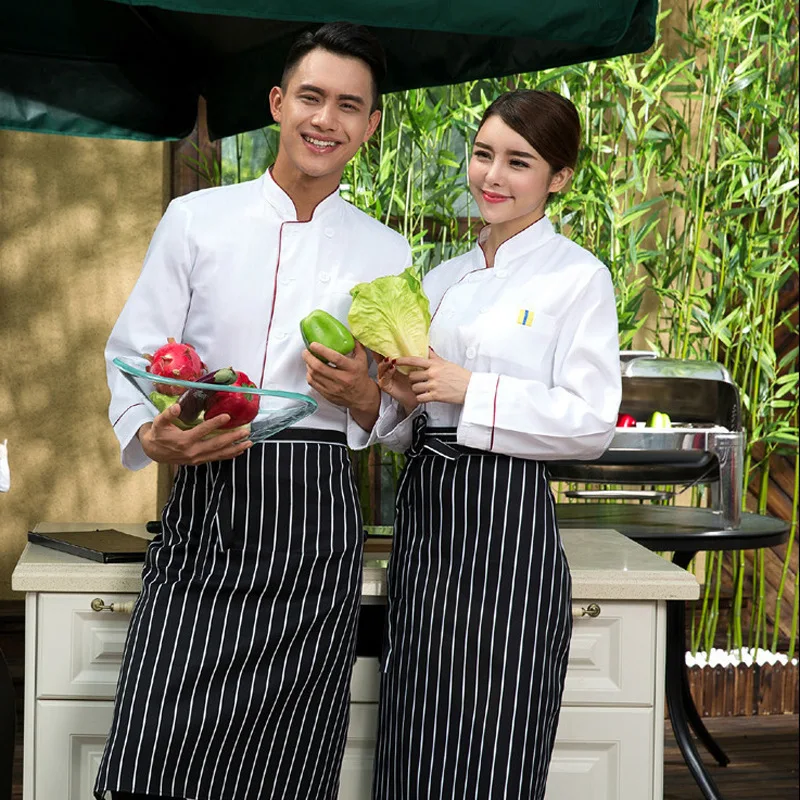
x,y
231,271
539,333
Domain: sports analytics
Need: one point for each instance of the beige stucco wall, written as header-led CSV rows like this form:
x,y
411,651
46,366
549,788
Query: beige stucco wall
x,y
76,216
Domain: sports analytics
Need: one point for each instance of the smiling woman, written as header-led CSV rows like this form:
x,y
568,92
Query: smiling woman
x,y
524,368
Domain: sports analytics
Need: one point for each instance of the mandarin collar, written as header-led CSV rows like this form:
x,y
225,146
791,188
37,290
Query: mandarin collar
x,y
527,240
283,204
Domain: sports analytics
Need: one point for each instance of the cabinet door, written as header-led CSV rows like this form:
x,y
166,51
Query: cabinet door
x,y
80,650
602,754
612,656
70,737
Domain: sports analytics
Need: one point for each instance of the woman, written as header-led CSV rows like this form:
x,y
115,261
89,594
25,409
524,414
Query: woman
x,y
523,369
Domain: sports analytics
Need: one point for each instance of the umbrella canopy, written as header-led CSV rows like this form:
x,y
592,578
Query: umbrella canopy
x,y
135,69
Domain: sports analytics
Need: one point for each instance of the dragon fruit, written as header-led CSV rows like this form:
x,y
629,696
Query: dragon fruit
x,y
175,360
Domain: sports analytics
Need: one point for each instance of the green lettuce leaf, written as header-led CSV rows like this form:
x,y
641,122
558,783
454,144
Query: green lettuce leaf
x,y
391,315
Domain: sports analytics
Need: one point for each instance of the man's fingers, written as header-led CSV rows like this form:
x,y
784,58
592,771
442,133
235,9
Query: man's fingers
x,y
167,416
330,356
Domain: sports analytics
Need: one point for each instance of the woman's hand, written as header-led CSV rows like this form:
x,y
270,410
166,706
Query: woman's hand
x,y
395,384
434,380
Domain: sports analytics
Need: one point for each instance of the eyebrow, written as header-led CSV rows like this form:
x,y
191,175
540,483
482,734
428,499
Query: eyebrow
x,y
353,98
510,152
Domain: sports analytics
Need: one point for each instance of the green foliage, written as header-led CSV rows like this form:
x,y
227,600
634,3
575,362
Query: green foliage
x,y
687,188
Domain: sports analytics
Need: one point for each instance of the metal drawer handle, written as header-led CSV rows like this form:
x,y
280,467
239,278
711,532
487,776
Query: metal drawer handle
x,y
120,608
592,610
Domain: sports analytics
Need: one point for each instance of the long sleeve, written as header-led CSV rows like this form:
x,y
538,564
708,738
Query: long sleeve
x,y
155,310
573,418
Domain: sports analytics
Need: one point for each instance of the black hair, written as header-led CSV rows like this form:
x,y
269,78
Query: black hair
x,y
344,39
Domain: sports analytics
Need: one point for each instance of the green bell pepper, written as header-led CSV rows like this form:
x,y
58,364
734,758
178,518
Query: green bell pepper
x,y
659,420
320,326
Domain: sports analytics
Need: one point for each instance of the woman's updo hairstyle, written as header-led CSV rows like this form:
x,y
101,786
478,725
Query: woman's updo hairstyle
x,y
546,120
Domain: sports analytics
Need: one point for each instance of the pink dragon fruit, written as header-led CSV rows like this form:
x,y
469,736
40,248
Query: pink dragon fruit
x,y
175,360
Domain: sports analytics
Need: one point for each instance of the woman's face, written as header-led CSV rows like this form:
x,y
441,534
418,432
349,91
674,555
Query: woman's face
x,y
508,178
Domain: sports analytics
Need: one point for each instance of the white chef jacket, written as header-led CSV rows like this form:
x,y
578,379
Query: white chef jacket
x,y
231,271
539,333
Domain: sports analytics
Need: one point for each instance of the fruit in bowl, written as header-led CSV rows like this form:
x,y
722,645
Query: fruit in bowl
x,y
174,360
199,404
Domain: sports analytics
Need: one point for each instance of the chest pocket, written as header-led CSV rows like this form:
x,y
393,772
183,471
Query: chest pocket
x,y
518,345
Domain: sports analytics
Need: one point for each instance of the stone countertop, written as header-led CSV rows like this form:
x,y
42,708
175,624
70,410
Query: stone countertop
x,y
605,565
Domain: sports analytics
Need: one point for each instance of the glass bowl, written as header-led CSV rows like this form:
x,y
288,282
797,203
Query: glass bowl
x,y
276,409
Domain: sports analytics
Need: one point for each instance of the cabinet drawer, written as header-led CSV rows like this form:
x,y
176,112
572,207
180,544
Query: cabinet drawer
x,y
79,650
602,754
612,656
70,737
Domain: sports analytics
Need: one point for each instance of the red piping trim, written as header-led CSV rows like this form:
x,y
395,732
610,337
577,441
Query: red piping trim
x,y
494,412
505,241
441,300
114,425
278,265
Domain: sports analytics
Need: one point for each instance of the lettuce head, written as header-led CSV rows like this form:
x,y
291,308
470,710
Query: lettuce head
x,y
391,315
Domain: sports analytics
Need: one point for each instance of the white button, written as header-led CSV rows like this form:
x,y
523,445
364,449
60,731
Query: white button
x,y
501,273
329,232
485,310
324,277
286,281
280,335
471,352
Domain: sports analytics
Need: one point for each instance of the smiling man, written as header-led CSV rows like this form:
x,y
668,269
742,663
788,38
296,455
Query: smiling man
x,y
236,671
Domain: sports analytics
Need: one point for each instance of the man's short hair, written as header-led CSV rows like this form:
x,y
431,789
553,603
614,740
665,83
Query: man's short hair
x,y
344,39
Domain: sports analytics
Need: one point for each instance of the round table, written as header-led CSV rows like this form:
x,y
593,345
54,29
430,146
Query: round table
x,y
684,532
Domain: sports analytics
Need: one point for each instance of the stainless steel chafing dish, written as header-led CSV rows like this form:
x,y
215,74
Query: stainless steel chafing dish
x,y
704,443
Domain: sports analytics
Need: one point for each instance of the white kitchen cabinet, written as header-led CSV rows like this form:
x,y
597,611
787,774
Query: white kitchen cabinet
x,y
609,741
70,736
602,754
606,745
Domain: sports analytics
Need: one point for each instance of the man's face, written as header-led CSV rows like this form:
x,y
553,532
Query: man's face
x,y
324,112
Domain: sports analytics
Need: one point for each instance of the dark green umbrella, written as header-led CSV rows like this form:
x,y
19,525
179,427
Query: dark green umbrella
x,y
136,69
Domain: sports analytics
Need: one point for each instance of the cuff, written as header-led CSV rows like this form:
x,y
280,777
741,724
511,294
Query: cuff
x,y
126,427
478,416
357,437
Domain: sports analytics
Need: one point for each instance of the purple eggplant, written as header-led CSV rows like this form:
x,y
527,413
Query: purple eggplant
x,y
194,401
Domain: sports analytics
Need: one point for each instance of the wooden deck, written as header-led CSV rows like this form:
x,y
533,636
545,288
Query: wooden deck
x,y
764,755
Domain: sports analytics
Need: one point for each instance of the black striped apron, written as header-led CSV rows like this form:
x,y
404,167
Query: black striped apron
x,y
479,624
235,678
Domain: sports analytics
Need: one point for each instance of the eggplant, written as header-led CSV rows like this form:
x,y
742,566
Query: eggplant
x,y
194,401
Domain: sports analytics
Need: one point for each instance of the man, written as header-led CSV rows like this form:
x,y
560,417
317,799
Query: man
x,y
235,677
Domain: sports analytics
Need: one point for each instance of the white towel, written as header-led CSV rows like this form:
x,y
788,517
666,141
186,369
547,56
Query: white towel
x,y
5,472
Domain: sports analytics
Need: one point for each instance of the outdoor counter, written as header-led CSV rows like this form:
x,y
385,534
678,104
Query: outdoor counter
x,y
604,565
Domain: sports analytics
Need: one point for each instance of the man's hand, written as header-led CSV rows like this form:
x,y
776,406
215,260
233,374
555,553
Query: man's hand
x,y
166,443
434,380
344,381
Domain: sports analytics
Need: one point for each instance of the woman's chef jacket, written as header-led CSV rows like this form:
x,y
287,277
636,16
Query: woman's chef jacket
x,y
231,271
539,333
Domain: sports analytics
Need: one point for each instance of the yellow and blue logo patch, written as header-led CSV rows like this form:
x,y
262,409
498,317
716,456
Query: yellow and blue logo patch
x,y
525,317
